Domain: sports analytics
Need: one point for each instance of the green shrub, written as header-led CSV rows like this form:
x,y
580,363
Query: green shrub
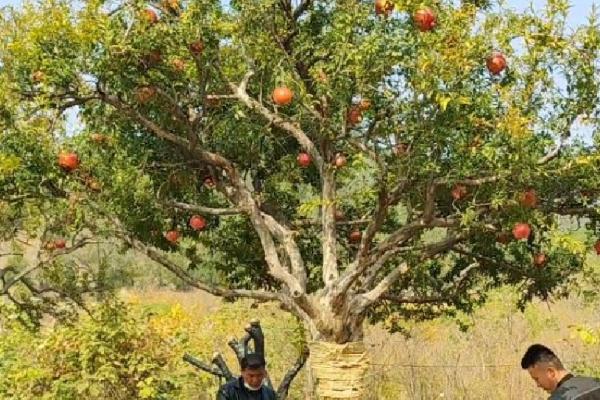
x,y
134,351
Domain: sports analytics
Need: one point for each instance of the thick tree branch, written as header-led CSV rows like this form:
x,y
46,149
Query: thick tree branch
x,y
429,207
219,361
329,242
355,270
361,264
242,197
385,284
408,231
286,237
161,259
380,214
292,128
388,281
202,209
302,7
383,202
272,258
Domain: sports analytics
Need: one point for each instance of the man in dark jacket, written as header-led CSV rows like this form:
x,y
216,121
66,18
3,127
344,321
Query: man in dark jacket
x,y
548,372
250,385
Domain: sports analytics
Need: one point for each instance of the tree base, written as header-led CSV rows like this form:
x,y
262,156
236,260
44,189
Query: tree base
x,y
339,370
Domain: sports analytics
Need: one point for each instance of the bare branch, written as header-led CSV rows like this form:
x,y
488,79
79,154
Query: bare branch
x,y
385,284
414,299
202,366
553,153
237,347
202,209
284,386
222,365
254,332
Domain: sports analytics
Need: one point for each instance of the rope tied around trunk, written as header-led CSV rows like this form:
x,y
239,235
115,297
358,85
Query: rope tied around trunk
x,y
339,370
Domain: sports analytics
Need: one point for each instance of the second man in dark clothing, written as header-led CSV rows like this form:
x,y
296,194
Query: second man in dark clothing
x,y
548,372
250,385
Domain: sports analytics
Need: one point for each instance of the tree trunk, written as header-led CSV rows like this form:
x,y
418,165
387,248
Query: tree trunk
x,y
339,370
338,360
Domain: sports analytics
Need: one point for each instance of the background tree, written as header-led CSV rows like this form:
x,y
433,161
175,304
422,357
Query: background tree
x,y
347,159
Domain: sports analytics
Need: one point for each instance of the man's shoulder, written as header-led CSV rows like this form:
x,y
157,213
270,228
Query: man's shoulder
x,y
578,388
233,387
229,388
270,391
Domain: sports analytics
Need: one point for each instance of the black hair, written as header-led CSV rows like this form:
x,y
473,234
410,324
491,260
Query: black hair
x,y
252,361
538,353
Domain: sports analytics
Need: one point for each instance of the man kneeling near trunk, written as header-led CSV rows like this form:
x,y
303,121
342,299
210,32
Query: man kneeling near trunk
x,y
548,372
250,385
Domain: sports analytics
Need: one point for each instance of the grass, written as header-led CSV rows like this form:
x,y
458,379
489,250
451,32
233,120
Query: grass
x,y
432,360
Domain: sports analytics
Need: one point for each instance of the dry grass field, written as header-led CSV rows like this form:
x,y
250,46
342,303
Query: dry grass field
x,y
433,360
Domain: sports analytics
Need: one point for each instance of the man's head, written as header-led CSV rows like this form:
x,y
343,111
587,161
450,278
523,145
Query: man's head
x,y
253,371
544,367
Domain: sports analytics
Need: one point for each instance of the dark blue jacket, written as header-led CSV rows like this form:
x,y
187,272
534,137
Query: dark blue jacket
x,y
577,388
235,390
